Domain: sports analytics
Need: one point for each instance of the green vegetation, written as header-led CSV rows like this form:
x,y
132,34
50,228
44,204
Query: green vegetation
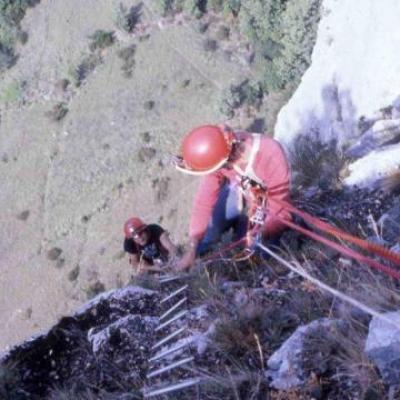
x,y
11,14
247,92
281,33
316,163
85,67
194,7
126,19
101,39
127,54
58,112
13,92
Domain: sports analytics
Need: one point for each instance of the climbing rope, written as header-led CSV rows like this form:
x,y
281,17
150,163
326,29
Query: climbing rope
x,y
336,293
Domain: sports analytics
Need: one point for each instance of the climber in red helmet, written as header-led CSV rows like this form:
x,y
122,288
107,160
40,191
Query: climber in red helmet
x,y
149,246
243,174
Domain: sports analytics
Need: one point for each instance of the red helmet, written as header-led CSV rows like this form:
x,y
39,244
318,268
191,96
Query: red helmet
x,y
205,149
133,225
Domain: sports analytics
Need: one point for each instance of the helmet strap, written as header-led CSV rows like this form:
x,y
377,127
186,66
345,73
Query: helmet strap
x,y
201,173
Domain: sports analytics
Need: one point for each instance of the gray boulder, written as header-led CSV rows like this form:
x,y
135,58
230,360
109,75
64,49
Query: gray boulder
x,y
307,350
390,224
383,346
381,133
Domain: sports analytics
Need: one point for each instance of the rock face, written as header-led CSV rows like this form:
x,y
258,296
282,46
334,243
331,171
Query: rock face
x,y
304,352
333,101
347,79
105,344
383,346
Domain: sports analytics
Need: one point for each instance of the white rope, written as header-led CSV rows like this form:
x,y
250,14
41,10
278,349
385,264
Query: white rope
x,y
329,289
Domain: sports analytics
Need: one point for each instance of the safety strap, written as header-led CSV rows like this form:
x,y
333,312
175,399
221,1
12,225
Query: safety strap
x,y
249,171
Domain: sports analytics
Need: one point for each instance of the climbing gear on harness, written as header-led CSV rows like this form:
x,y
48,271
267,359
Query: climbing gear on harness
x,y
133,226
255,192
205,149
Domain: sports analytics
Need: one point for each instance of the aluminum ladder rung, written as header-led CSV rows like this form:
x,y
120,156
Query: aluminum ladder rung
x,y
174,318
173,308
173,294
171,388
170,350
168,338
171,278
169,367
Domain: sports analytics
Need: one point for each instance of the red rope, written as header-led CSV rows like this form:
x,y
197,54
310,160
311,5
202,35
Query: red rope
x,y
327,228
342,249
364,244
228,247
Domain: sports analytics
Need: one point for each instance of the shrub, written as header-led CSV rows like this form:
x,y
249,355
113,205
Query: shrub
x,y
11,14
58,112
247,92
164,6
87,65
210,45
101,39
231,98
194,7
22,37
126,20
14,10
127,55
252,92
8,34
7,58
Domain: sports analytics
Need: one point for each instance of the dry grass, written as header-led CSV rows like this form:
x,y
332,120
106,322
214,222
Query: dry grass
x,y
10,381
315,163
391,182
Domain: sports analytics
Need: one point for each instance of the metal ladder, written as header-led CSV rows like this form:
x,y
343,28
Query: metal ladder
x,y
171,351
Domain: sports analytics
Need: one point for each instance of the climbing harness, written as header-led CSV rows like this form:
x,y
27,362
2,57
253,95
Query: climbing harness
x,y
254,191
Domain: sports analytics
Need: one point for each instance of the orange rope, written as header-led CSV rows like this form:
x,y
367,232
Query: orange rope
x,y
325,227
